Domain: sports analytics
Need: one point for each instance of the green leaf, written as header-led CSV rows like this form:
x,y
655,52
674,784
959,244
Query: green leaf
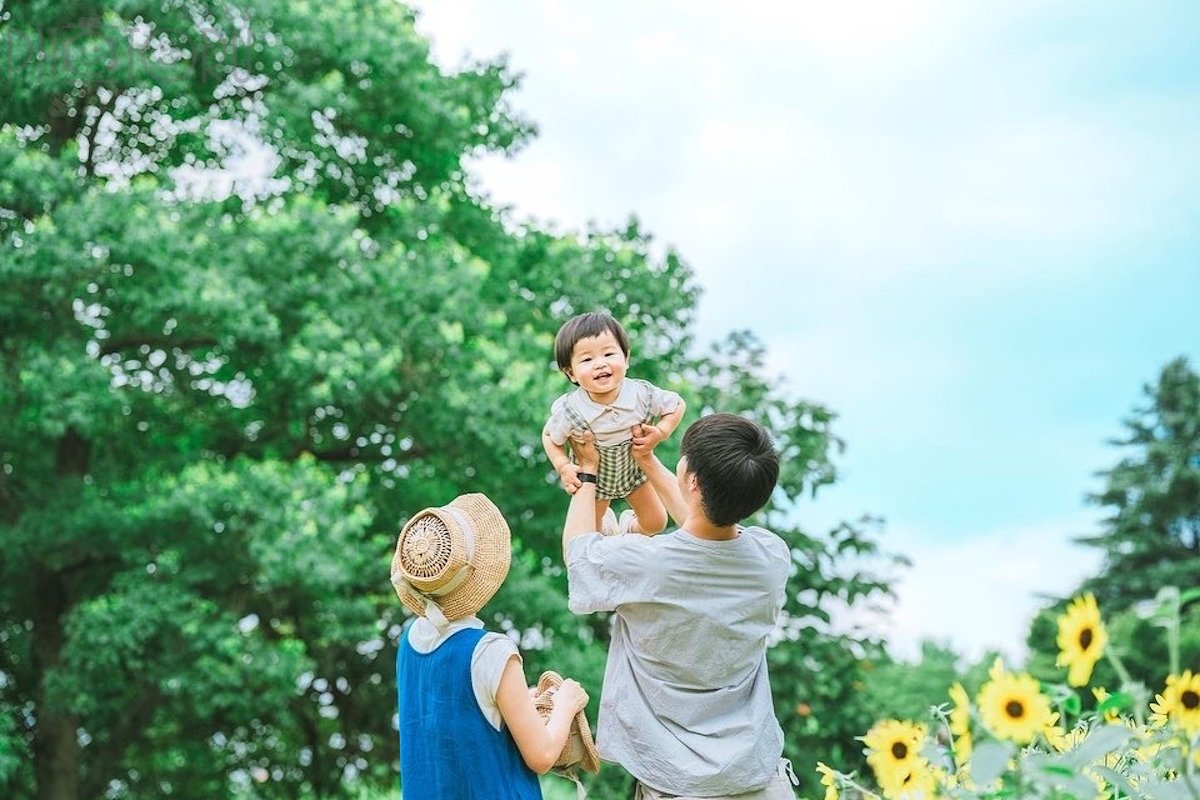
x,y
989,761
1098,743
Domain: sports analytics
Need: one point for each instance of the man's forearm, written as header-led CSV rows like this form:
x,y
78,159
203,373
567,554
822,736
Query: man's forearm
x,y
581,515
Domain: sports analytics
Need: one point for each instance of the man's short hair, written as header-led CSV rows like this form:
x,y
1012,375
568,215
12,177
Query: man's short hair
x,y
586,326
735,464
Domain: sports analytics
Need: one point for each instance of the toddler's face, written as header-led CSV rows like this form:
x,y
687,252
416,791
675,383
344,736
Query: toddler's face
x,y
598,365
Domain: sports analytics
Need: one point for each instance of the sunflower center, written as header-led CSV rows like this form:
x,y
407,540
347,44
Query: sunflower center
x,y
1189,699
899,751
1015,709
1085,638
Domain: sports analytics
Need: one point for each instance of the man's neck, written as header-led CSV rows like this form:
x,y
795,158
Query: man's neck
x,y
702,527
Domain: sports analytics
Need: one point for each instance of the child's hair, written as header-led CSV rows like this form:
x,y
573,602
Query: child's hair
x,y
735,464
585,326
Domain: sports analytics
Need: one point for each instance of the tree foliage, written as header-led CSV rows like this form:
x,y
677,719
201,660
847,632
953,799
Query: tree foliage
x,y
1151,537
224,392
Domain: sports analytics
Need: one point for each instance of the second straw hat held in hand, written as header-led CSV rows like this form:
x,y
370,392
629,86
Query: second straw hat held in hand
x,y
450,560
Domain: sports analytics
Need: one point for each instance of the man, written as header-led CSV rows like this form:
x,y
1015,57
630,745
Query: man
x,y
686,705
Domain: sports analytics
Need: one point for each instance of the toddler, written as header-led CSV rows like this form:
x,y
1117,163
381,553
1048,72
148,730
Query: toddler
x,y
592,350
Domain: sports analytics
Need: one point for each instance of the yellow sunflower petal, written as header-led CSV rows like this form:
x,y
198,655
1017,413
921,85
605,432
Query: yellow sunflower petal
x,y
1182,701
1081,639
828,780
1013,707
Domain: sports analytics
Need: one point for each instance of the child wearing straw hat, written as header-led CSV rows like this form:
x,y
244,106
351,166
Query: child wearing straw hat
x,y
686,706
592,350
469,727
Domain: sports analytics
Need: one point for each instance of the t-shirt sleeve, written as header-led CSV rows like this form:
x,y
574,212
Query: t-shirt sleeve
x,y
488,661
558,427
604,572
662,401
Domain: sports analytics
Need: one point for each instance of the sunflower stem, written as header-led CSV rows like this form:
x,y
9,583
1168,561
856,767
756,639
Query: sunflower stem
x,y
1128,684
1173,626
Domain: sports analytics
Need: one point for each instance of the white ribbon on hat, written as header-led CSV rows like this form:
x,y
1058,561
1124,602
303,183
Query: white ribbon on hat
x,y
433,611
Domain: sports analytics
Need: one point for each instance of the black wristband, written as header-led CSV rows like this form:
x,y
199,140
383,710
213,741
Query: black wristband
x,y
586,477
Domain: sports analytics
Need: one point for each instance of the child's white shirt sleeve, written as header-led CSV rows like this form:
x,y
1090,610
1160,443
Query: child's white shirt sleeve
x,y
663,401
558,427
487,665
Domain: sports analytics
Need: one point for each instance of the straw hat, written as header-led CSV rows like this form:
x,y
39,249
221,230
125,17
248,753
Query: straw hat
x,y
450,560
580,749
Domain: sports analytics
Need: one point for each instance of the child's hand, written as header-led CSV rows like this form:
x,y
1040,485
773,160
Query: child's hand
x,y
645,439
568,474
571,695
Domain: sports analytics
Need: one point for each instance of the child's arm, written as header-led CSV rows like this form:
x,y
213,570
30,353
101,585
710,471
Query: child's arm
x,y
539,742
568,473
666,425
661,478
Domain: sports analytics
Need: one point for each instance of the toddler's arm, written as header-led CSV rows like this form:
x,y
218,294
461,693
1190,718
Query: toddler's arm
x,y
653,435
539,743
568,473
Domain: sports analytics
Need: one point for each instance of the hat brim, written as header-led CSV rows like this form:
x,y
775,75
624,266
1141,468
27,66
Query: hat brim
x,y
492,556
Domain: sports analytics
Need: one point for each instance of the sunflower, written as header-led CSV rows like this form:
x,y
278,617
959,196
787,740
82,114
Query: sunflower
x,y
1056,735
915,782
1160,707
1081,639
829,781
960,724
893,749
1182,701
1013,708
1101,694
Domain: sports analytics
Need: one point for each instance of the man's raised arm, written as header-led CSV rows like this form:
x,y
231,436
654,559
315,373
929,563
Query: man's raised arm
x,y
661,478
581,514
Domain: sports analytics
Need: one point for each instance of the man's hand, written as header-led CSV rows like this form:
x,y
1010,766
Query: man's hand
x,y
587,456
568,473
645,439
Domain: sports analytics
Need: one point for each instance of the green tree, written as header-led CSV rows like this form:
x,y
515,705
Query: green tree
x,y
1151,537
907,690
223,393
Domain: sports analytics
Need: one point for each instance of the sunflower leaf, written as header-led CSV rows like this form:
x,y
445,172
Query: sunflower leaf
x,y
1054,773
989,760
1116,779
1168,790
1099,742
1115,702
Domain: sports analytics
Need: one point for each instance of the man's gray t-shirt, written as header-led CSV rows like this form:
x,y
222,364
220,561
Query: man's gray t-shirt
x,y
686,705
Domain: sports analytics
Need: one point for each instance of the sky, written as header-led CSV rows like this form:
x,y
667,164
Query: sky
x,y
969,228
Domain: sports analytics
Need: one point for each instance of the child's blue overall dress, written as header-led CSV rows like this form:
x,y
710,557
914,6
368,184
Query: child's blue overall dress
x,y
448,749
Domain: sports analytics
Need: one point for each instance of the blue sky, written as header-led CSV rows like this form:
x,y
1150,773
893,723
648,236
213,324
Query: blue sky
x,y
969,228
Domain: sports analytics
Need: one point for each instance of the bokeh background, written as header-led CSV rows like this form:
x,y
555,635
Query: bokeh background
x,y
277,275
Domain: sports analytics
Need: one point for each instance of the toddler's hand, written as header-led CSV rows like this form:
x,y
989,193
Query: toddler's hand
x,y
571,696
569,475
645,439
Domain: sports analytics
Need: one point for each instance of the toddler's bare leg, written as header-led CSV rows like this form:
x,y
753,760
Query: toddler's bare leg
x,y
651,513
601,507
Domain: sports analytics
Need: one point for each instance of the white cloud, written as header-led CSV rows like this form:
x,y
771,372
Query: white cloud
x,y
981,593
888,193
